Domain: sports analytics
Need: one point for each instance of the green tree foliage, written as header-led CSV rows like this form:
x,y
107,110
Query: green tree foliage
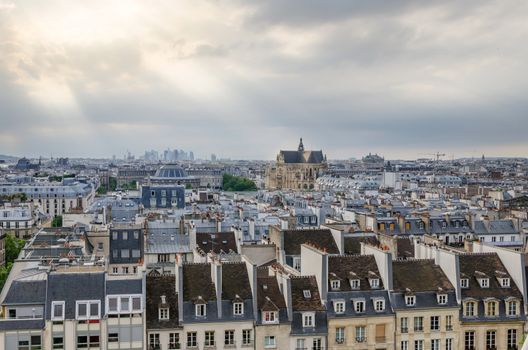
x,y
112,183
57,221
15,196
132,185
188,186
237,183
13,246
101,190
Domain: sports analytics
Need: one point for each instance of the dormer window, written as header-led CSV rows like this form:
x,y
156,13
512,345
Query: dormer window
x,y
374,282
410,300
504,282
359,306
511,308
335,284
163,313
355,283
444,224
484,282
270,317
200,310
464,283
470,308
491,308
57,310
442,299
238,309
379,305
307,294
339,307
308,319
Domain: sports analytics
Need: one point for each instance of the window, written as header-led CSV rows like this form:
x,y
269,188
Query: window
x,y
125,235
122,304
297,263
246,337
355,284
113,337
317,344
174,340
154,339
339,307
359,306
512,308
209,338
229,338
191,340
308,320
492,309
418,324
418,345
300,343
491,337
404,345
484,282
449,344
163,313
125,253
238,309
512,339
58,342
136,253
114,236
464,283
115,269
136,234
404,324
449,323
200,310
410,300
307,294
374,283
340,335
442,299
269,341
335,284
379,305
470,309
469,340
505,282
125,270
57,310
270,317
435,344
89,341
435,323
360,334
88,310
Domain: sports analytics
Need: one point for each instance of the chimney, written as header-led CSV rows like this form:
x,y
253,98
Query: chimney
x,y
216,276
179,286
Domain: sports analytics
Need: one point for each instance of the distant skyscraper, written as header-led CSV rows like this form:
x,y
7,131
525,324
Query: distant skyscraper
x,y
213,157
191,155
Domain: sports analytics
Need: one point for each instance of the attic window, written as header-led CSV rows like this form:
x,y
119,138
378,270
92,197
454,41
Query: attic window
x,y
444,224
442,299
200,310
224,242
163,313
335,284
265,287
307,294
505,282
464,283
355,283
410,300
374,282
238,309
484,282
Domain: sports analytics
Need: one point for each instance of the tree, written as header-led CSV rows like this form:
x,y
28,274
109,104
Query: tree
x,y
57,221
13,246
188,186
237,183
112,183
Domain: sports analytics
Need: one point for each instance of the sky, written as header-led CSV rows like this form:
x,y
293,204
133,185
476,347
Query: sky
x,y
245,78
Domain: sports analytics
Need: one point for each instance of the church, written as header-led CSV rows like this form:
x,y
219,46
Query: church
x,y
296,170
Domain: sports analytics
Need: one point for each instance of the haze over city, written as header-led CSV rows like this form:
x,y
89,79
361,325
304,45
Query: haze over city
x,y
245,78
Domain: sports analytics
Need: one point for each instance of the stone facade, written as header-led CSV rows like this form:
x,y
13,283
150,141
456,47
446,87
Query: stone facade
x,y
296,170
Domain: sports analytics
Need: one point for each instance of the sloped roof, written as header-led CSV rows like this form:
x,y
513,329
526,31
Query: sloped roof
x,y
268,293
26,292
352,245
321,238
197,282
299,302
419,276
216,242
312,157
156,287
235,281
357,266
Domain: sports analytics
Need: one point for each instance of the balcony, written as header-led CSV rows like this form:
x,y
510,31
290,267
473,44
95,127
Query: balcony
x,y
340,340
361,339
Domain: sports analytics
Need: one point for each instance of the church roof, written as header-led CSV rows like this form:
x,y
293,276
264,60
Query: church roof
x,y
302,156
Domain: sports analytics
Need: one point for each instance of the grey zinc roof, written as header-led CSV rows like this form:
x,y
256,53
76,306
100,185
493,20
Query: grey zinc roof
x,y
348,298
159,243
71,287
302,156
24,324
321,324
128,286
424,300
26,292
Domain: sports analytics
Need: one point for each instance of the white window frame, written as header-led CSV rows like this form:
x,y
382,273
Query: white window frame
x,y
442,299
505,282
307,294
376,301
308,316
374,282
161,312
410,300
198,307
130,298
359,302
88,304
335,284
484,282
57,317
355,283
339,307
272,319
464,283
296,263
240,307
270,342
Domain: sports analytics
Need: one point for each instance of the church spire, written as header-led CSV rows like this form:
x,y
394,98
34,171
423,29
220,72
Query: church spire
x,y
301,146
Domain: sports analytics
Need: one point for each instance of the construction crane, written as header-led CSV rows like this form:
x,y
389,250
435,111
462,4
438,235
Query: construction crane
x,y
437,155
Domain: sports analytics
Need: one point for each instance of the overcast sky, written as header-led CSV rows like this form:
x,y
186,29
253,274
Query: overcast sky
x,y
244,79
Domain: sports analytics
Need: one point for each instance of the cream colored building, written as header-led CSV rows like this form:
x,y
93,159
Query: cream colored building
x,y
295,170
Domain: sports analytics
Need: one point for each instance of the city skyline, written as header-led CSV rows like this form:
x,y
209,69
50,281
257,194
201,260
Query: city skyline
x,y
245,79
